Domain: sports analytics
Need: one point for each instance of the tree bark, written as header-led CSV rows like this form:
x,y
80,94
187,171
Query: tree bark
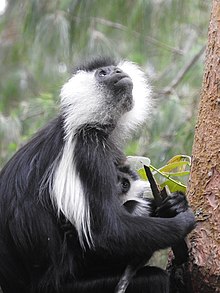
x,y
204,183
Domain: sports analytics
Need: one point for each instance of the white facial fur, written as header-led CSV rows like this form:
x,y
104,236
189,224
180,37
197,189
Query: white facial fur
x,y
141,97
83,101
137,190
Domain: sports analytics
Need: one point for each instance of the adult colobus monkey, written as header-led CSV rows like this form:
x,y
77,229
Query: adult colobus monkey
x,y
62,225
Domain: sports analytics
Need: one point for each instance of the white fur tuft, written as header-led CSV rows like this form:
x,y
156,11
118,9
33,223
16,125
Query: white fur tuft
x,y
80,101
67,195
141,96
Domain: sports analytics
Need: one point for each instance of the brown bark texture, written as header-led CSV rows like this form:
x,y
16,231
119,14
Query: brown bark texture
x,y
204,183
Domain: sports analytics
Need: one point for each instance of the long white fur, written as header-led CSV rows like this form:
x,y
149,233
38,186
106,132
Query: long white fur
x,y
68,195
82,102
141,97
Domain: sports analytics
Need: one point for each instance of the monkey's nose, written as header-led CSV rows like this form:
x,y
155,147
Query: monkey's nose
x,y
117,70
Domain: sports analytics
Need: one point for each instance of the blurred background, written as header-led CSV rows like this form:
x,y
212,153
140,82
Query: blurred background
x,y
41,40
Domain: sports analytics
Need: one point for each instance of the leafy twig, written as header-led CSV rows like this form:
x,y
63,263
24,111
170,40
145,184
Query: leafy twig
x,y
180,75
167,176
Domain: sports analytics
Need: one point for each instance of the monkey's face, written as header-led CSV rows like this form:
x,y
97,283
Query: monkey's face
x,y
103,92
130,186
132,191
101,96
116,87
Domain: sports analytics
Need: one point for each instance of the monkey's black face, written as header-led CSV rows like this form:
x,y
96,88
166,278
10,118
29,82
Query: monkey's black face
x,y
105,93
114,77
117,84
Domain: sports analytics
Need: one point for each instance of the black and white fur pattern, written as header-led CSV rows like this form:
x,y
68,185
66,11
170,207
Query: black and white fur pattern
x,y
133,192
100,110
62,225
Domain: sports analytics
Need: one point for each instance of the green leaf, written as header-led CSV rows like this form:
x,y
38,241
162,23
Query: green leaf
x,y
177,174
169,179
179,158
172,166
142,174
173,186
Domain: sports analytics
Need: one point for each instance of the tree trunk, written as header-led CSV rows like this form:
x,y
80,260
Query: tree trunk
x,y
204,184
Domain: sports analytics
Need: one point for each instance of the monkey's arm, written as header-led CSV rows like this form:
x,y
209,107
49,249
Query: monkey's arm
x,y
112,226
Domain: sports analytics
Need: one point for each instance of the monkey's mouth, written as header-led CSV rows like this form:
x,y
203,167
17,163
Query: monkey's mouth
x,y
124,81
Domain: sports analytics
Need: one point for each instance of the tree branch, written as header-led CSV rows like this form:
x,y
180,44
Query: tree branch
x,y
122,27
180,75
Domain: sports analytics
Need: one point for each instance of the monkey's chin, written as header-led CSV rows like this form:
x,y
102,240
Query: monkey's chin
x,y
128,102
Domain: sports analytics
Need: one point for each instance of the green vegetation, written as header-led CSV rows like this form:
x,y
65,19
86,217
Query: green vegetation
x,y
41,40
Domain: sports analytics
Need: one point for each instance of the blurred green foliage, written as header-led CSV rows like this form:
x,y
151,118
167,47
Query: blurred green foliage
x,y
41,40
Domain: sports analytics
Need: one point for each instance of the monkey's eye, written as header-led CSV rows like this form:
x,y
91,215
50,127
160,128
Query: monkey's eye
x,y
125,185
102,72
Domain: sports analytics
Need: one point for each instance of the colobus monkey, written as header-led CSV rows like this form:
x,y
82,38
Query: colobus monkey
x,y
133,194
62,225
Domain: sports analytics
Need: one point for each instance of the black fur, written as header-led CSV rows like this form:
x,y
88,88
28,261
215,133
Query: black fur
x,y
95,63
41,252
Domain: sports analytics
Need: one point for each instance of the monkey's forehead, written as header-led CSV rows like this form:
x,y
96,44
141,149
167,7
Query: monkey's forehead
x,y
95,63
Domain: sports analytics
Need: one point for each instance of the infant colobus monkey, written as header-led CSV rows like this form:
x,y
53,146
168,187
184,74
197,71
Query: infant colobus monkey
x,y
62,225
133,194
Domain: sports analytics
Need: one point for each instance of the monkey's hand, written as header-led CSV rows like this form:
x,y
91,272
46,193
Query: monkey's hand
x,y
176,205
172,205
